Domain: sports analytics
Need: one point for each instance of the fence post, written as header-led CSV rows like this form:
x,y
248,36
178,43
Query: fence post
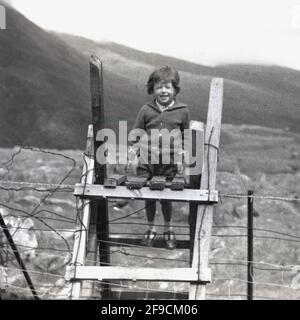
x,y
18,257
250,246
96,87
204,213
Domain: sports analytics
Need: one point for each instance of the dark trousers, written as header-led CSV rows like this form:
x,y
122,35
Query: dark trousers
x,y
150,170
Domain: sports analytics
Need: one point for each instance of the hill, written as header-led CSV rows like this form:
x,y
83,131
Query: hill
x,y
42,100
254,94
45,99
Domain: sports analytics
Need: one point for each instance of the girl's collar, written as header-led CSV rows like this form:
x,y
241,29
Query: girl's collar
x,y
161,107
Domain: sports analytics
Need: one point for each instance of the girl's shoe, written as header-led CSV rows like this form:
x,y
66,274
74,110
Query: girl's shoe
x,y
170,239
148,238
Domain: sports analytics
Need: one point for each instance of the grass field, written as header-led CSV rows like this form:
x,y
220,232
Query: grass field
x,y
264,160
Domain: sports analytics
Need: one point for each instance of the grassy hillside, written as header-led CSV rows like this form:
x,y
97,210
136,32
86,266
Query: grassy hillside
x,y
45,99
45,102
254,94
44,89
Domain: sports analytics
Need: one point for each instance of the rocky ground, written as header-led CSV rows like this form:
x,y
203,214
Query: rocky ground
x,y
264,160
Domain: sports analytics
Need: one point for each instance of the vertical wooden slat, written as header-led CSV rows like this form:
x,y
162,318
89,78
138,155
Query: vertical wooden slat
x,y
194,181
250,278
208,181
82,227
88,288
96,86
97,103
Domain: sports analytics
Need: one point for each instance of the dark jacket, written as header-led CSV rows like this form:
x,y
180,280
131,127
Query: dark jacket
x,y
151,117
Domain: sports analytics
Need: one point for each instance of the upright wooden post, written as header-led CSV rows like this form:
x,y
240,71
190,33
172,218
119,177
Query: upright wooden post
x,y
83,221
250,246
204,216
96,78
194,183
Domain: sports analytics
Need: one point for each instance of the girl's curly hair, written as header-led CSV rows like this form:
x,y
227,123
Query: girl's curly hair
x,y
165,74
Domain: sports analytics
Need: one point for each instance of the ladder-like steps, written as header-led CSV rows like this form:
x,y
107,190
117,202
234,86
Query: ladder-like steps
x,y
138,274
122,192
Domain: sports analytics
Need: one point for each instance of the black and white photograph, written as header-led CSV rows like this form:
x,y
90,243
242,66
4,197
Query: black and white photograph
x,y
149,151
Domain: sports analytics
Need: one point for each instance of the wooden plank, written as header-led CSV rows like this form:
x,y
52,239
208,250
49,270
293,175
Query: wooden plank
x,y
114,180
178,183
208,180
88,289
82,226
122,192
143,294
157,183
138,274
197,132
96,86
97,103
182,242
194,181
134,182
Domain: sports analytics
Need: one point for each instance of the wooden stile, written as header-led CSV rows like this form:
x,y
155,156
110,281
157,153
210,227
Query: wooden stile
x,y
201,196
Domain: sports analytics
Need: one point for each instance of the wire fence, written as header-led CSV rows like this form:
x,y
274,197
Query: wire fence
x,y
41,214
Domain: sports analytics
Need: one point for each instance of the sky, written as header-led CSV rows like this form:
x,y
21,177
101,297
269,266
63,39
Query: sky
x,y
208,32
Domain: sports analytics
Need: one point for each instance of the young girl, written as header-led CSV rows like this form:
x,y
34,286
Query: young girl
x,y
164,112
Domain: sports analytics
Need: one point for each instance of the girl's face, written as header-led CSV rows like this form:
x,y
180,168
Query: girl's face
x,y
164,92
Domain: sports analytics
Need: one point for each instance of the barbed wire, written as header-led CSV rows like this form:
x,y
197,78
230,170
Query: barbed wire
x,y
49,189
22,186
33,186
294,200
39,219
9,163
69,220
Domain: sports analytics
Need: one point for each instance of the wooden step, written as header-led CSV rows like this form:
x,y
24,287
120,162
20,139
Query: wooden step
x,y
114,180
137,274
186,195
157,183
182,242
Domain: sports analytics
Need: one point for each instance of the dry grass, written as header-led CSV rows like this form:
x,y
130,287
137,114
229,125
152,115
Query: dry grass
x,y
251,158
